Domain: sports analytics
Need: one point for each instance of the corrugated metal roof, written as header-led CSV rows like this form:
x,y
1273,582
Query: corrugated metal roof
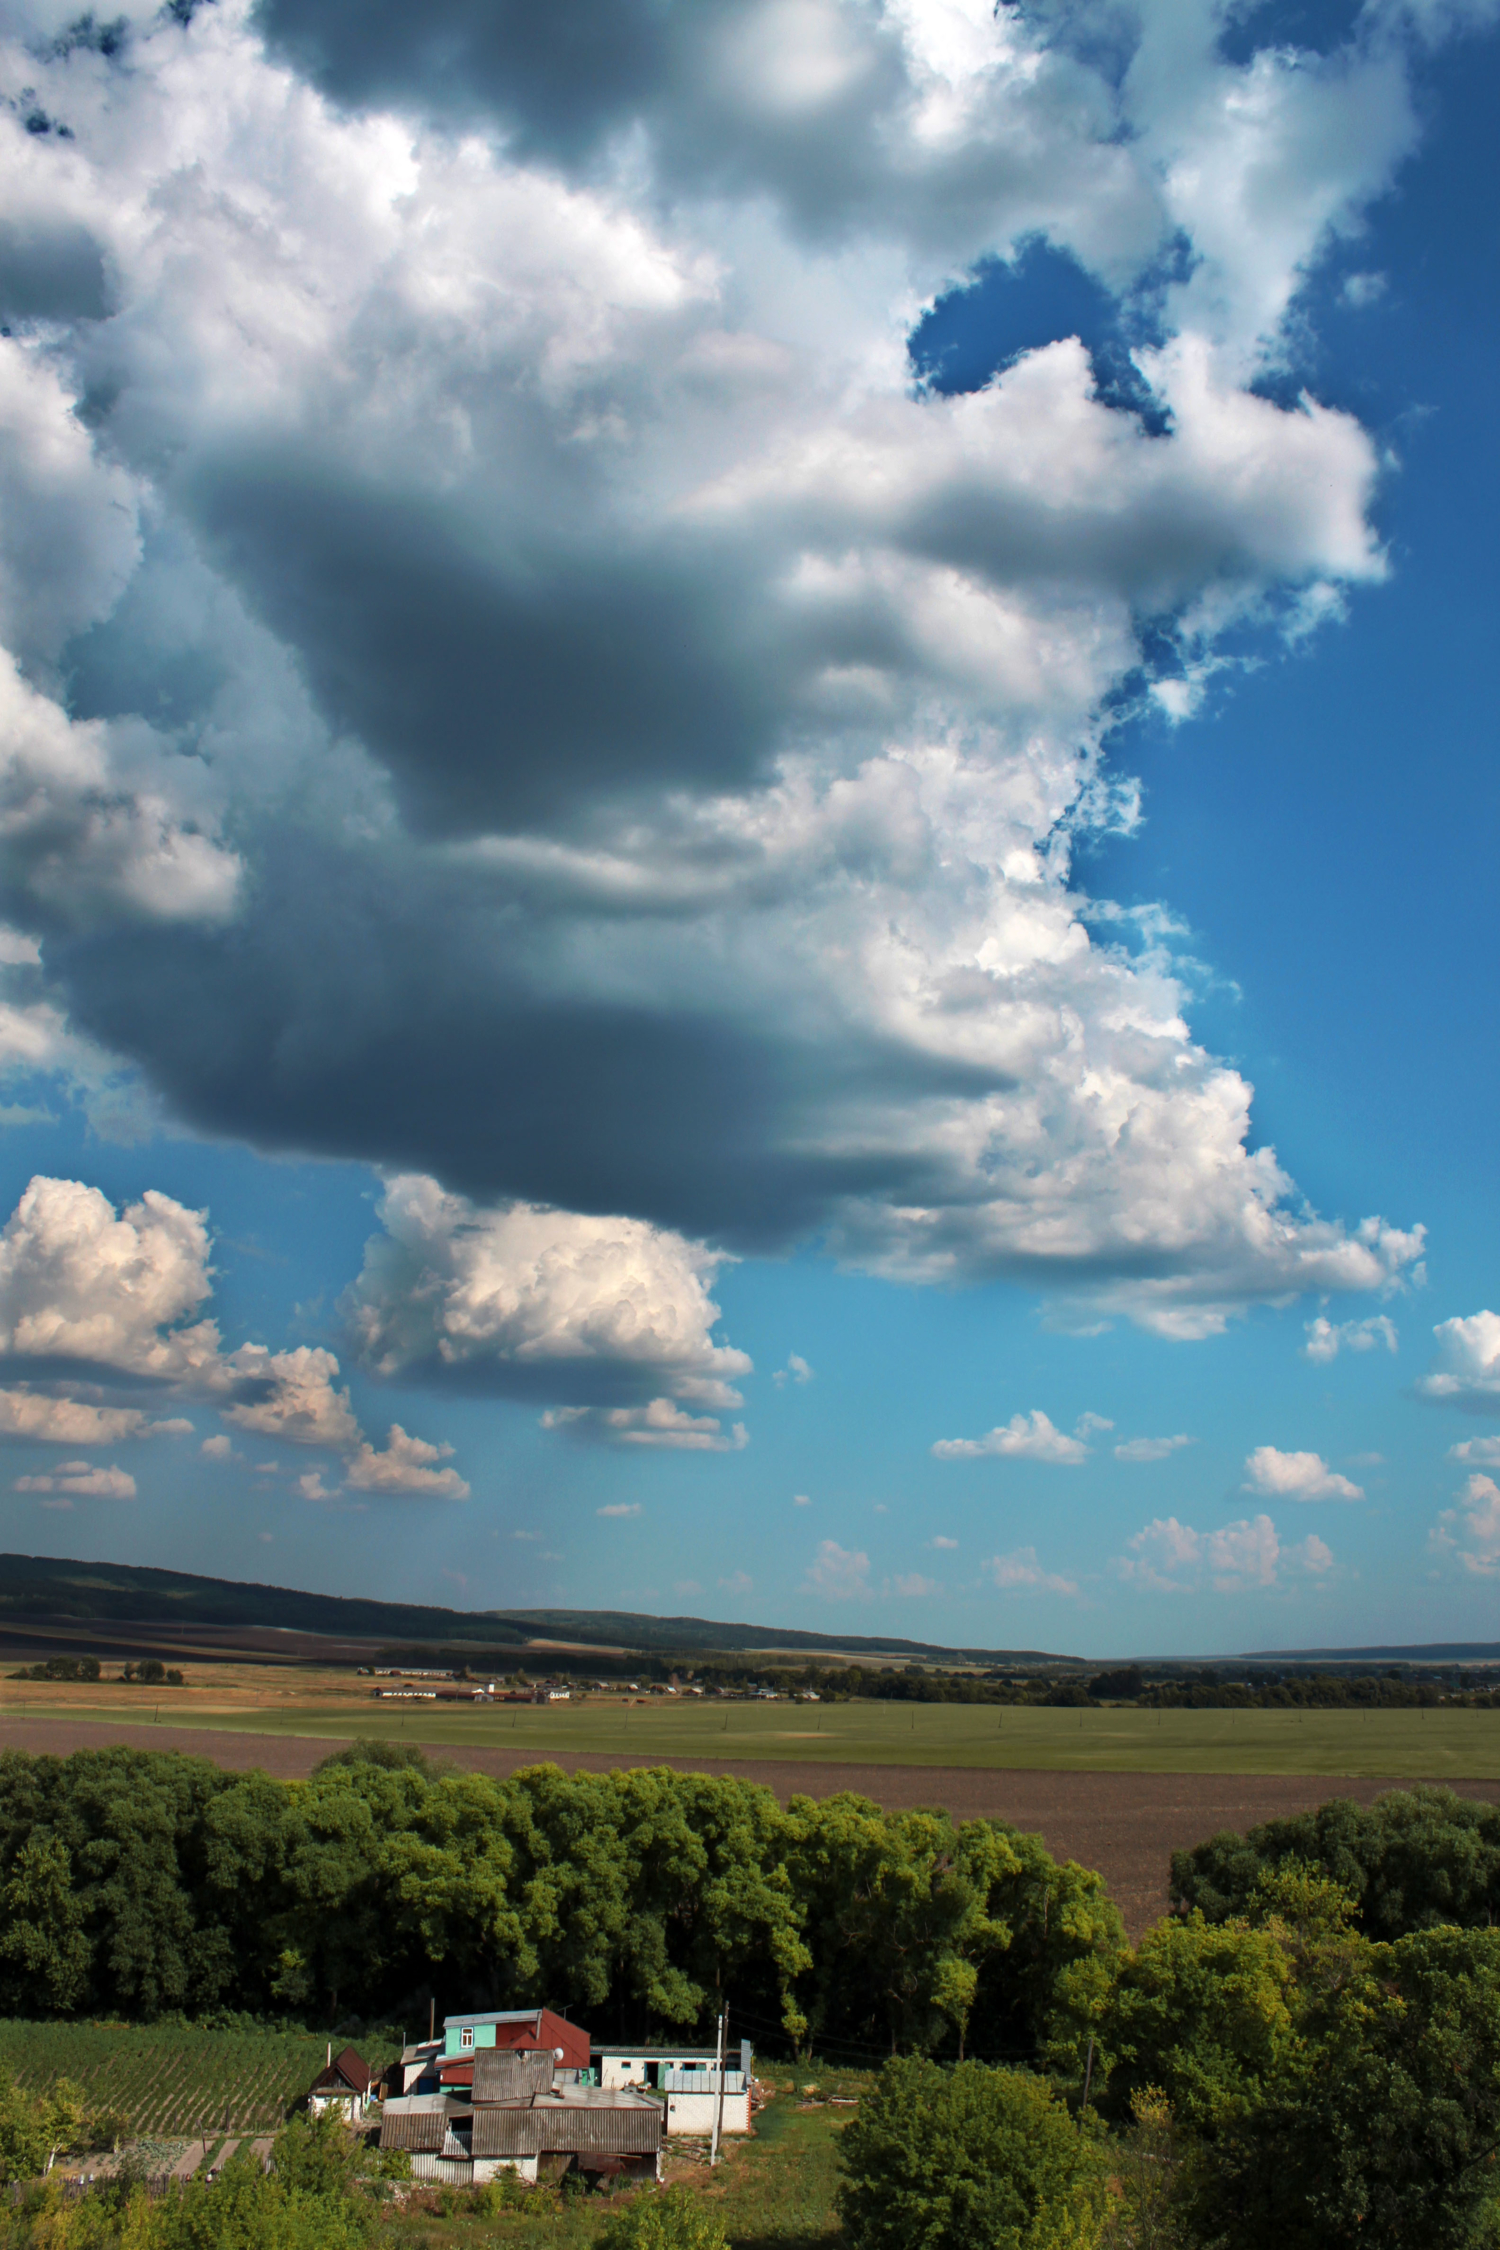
x,y
501,2074
425,2129
658,2054
621,2129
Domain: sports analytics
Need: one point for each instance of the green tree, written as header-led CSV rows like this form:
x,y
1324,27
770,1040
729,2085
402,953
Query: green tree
x,y
44,1948
1414,1859
35,2129
972,2158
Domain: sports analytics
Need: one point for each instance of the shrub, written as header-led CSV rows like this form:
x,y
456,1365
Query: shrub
x,y
670,2219
966,2159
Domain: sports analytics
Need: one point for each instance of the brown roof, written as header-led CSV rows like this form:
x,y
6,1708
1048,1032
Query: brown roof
x,y
347,2069
614,2131
503,2075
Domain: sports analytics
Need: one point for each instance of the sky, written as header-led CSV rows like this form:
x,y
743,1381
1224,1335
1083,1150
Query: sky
x,y
748,807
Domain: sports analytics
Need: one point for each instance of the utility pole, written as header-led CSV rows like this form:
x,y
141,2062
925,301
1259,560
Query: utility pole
x,y
713,2154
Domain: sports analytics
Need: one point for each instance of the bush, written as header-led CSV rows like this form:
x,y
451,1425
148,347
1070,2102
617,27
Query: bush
x,y
669,2219
664,2219
966,2159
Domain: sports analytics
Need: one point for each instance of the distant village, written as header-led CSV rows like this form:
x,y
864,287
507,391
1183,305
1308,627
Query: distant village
x,y
401,1683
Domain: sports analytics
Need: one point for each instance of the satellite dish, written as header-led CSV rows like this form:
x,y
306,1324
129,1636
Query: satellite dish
x,y
557,2054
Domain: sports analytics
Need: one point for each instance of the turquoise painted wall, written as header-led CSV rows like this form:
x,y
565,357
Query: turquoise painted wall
x,y
484,2036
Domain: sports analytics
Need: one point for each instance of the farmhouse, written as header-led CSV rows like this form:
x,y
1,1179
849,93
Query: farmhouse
x,y
346,2084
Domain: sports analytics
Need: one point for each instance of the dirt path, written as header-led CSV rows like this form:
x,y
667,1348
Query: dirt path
x,y
1125,1824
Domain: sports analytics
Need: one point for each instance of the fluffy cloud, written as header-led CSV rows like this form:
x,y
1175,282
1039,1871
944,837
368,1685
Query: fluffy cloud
x,y
1326,1338
1170,1557
1468,1375
94,1297
659,1423
838,1573
521,686
291,1396
1296,1476
80,1283
1470,1533
1150,1448
407,1464
796,1370
1025,1437
85,1480
1482,1451
539,1302
1021,1572
40,1419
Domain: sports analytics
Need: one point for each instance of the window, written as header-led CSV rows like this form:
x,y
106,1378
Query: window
x,y
466,2036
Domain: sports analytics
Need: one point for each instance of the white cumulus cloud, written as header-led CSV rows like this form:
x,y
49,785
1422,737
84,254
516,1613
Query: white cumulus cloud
x,y
1172,1557
1021,1572
1470,1532
1025,1437
1326,1338
1296,1476
85,1480
1468,1373
1150,1448
526,1300
89,1295
659,1423
838,1573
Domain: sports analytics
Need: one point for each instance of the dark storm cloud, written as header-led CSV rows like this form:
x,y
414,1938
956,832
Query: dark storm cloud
x,y
359,1011
499,676
563,80
51,271
815,105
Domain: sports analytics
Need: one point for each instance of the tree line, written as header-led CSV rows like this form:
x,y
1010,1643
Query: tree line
x,y
139,1883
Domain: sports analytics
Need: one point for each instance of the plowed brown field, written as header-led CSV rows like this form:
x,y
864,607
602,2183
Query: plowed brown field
x,y
1126,1824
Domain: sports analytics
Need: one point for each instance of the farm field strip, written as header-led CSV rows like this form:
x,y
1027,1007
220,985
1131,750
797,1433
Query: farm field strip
x,y
1437,1744
179,2080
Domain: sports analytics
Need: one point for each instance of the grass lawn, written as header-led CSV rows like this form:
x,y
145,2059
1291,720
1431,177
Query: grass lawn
x,y
1435,1744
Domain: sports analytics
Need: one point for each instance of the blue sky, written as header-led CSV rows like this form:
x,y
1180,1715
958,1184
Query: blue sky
x,y
666,833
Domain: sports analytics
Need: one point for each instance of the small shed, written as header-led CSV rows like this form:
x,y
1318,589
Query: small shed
x,y
346,2083
689,2080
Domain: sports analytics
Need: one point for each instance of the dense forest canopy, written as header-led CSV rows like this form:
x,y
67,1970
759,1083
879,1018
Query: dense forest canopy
x,y
139,1883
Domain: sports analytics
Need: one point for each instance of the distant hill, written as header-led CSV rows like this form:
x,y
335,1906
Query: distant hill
x,y
1413,1652
38,1587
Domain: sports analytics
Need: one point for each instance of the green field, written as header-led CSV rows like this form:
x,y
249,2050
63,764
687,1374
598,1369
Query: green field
x,y
1437,1744
175,2079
